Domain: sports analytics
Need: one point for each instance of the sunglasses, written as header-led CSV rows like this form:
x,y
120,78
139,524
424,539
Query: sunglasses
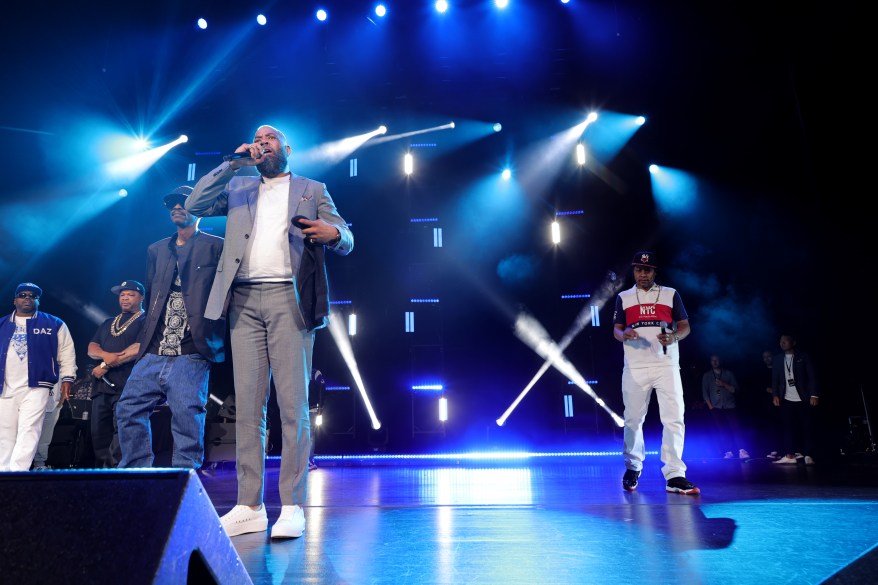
x,y
27,295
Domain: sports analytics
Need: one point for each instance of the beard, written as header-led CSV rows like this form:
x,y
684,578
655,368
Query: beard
x,y
274,164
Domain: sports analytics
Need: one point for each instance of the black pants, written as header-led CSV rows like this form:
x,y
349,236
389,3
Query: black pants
x,y
728,427
104,431
798,426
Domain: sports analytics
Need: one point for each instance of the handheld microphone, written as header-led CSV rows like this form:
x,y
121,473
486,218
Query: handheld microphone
x,y
239,155
664,332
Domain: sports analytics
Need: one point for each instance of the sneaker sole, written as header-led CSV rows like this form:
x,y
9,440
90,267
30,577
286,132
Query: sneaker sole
x,y
630,488
276,534
692,492
260,525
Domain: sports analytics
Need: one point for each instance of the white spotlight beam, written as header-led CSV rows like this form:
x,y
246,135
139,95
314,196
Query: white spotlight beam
x,y
610,287
342,341
131,167
449,126
532,333
332,152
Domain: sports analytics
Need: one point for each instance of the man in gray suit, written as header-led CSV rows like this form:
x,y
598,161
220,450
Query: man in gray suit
x,y
272,284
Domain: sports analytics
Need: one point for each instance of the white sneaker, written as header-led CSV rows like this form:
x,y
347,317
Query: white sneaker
x,y
728,455
290,523
742,453
241,520
786,460
808,460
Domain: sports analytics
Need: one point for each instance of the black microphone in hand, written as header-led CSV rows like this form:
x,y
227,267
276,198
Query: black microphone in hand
x,y
239,155
664,332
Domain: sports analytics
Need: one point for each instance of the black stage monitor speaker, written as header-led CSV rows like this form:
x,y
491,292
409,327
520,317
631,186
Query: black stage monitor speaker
x,y
154,527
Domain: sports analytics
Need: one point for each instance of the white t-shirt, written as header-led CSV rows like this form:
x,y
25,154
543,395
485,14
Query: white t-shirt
x,y
791,393
266,259
16,360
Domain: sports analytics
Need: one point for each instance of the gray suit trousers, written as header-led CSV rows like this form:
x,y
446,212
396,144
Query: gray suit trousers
x,y
269,342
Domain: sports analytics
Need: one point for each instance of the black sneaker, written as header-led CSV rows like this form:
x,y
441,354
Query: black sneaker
x,y
681,485
629,480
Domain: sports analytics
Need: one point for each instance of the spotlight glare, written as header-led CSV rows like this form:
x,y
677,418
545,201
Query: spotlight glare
x,y
653,168
183,138
592,117
382,129
451,125
260,19
501,4
123,192
506,174
380,10
322,15
498,126
556,233
408,163
580,154
640,120
202,24
441,6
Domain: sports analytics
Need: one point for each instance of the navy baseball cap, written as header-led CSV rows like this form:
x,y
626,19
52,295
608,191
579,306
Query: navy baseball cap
x,y
128,285
644,258
29,286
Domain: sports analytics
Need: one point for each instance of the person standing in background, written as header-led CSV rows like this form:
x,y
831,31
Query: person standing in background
x,y
36,352
177,344
115,344
719,388
796,394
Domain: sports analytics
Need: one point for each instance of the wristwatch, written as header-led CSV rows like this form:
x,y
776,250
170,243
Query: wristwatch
x,y
104,366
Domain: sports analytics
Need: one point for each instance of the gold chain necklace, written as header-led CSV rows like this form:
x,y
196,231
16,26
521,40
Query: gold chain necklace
x,y
115,330
658,293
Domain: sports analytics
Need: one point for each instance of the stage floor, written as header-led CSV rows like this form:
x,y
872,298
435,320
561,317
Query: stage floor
x,y
561,520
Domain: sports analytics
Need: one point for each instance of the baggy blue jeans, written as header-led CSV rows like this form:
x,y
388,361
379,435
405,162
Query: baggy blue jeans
x,y
182,381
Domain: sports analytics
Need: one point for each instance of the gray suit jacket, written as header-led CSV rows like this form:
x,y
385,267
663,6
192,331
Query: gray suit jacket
x,y
220,192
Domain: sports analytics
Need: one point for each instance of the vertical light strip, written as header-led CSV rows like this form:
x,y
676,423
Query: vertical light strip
x,y
353,167
443,409
568,406
437,237
190,174
595,317
352,324
556,233
408,163
409,321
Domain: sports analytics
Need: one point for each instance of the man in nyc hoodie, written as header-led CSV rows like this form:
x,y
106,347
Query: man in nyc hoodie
x,y
36,351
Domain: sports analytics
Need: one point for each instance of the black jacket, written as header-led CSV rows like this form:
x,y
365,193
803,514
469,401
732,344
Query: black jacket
x,y
803,374
196,277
